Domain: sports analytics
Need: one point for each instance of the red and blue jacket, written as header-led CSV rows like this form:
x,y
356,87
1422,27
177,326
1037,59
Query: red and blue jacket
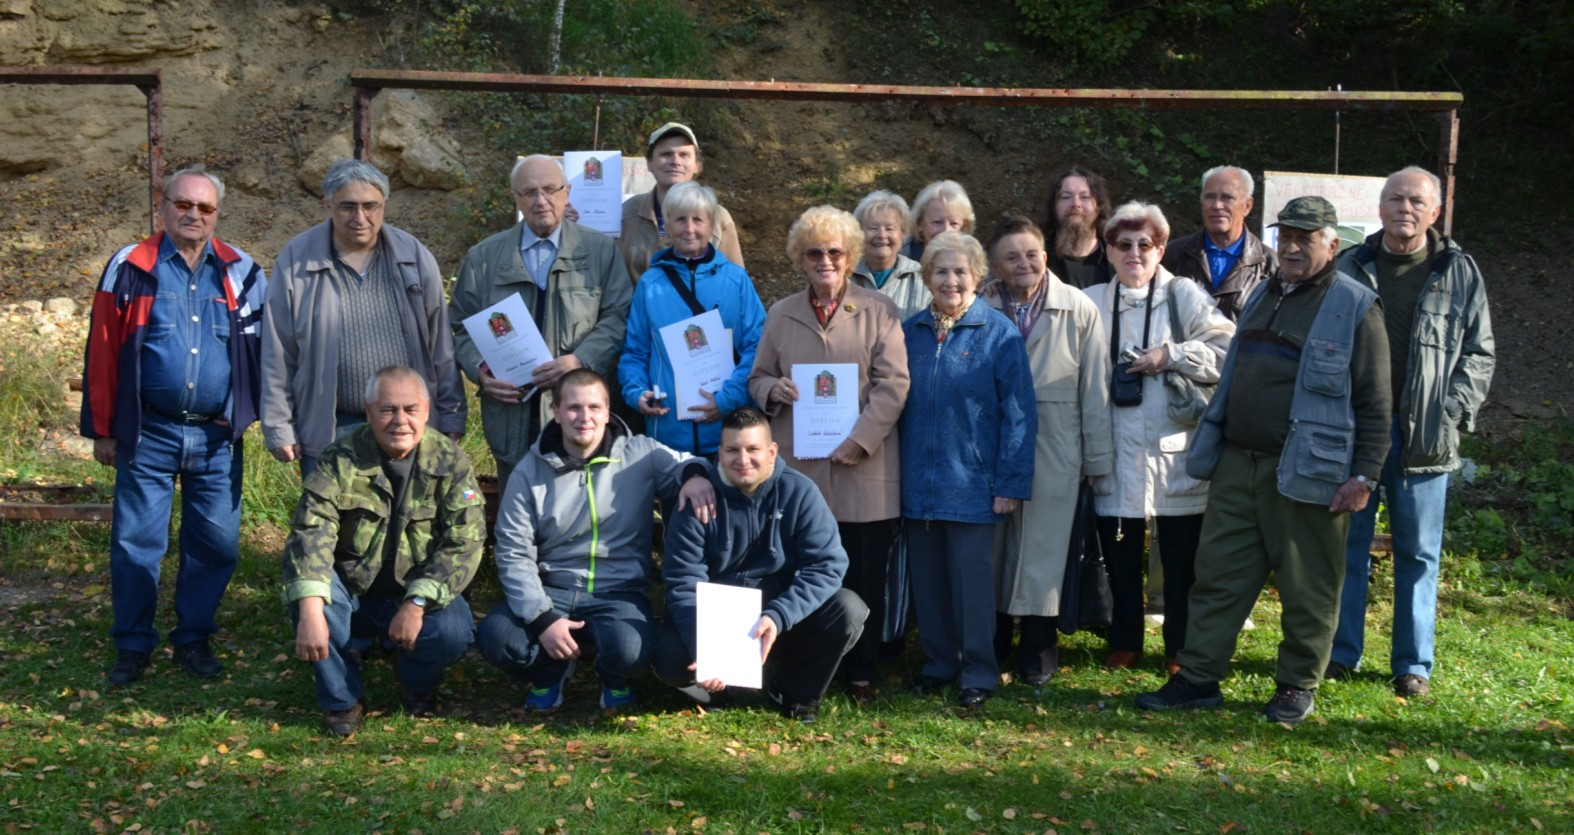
x,y
112,373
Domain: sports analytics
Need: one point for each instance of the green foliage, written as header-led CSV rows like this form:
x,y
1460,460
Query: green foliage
x,y
33,380
1099,34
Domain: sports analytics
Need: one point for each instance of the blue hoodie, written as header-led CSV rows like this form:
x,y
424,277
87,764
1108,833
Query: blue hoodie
x,y
782,541
718,284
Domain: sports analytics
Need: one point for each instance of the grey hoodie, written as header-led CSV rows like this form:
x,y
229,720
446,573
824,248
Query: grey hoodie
x,y
586,525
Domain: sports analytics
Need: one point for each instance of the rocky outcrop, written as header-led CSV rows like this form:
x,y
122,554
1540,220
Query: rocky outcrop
x,y
103,31
408,143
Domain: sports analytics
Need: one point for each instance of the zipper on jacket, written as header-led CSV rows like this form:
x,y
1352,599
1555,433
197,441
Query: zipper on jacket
x,y
595,521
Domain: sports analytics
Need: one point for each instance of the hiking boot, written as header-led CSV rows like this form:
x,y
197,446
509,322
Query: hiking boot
x,y
543,699
342,723
198,659
1180,693
1289,705
129,666
614,698
1412,686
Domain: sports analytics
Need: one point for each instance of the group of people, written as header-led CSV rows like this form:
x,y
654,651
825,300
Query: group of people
x,y
1245,400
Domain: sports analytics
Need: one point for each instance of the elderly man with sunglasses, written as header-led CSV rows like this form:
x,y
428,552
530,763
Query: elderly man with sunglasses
x,y
575,286
169,387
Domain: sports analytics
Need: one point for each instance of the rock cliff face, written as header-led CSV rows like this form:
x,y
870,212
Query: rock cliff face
x,y
253,89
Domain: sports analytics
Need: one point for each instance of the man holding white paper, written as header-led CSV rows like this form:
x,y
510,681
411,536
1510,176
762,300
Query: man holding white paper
x,y
772,531
572,283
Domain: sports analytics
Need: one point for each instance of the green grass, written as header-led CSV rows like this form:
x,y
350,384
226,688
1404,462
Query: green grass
x,y
1491,751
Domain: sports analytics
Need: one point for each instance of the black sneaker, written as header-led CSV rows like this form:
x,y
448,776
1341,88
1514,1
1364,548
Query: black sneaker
x,y
808,714
1180,693
198,659
1337,672
973,697
129,666
1289,705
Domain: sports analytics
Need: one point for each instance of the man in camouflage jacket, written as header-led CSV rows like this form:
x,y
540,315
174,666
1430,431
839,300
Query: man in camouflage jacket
x,y
386,537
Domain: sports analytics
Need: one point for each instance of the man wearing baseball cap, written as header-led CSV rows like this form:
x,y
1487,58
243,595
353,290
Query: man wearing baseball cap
x,y
673,155
1290,459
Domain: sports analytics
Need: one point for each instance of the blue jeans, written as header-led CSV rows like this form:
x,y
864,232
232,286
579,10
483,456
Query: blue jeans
x,y
208,464
618,623
1415,518
360,621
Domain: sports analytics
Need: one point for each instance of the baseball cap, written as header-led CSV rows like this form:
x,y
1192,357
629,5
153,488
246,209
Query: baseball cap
x,y
1310,213
670,128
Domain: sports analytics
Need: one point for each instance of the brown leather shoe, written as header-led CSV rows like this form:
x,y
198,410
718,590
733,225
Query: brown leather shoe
x,y
1122,659
342,723
1412,686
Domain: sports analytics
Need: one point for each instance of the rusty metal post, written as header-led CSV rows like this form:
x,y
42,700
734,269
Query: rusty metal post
x,y
363,122
155,96
1447,159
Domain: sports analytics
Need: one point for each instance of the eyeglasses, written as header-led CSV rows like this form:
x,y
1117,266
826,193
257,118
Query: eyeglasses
x,y
1143,246
184,206
816,254
529,195
349,207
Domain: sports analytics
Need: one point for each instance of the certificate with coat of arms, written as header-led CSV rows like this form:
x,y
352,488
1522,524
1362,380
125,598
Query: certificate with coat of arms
x,y
700,349
826,409
597,181
508,340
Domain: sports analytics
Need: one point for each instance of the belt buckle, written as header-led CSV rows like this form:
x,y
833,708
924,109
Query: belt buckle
x,y
192,419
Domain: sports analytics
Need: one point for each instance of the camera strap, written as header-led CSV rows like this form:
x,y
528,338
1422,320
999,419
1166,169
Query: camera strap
x,y
1114,315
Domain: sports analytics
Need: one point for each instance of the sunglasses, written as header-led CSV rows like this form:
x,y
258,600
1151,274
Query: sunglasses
x,y
817,253
184,206
1142,246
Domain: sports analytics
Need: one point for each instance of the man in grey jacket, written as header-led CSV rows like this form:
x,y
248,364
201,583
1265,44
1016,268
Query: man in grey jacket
x,y
572,281
1441,353
349,297
574,547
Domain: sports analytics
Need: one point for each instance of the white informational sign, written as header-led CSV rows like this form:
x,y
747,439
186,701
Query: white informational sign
x,y
700,349
596,181
508,340
1354,198
826,409
723,649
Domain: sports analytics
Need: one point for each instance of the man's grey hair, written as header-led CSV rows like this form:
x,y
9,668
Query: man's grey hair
x,y
374,384
688,198
1325,236
196,171
347,171
877,202
525,160
1246,178
1437,184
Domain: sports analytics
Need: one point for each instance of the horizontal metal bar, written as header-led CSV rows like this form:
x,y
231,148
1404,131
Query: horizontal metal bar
x,y
46,512
80,75
852,93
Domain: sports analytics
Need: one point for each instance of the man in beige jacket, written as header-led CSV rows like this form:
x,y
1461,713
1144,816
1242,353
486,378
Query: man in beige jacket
x,y
673,155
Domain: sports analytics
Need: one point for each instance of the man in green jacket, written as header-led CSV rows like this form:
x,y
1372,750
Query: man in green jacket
x,y
386,537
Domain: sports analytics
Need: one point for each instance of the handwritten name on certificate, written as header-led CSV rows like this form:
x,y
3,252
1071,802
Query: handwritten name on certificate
x,y
826,409
508,340
597,181
700,349
724,617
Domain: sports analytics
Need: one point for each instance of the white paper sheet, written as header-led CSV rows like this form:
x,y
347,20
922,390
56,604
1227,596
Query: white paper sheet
x,y
826,409
723,649
700,349
596,178
508,340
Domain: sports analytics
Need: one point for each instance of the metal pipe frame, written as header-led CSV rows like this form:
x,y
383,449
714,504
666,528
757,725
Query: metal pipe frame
x,y
368,83
150,82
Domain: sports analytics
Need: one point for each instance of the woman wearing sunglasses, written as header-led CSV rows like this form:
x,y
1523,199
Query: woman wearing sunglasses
x,y
836,321
1155,325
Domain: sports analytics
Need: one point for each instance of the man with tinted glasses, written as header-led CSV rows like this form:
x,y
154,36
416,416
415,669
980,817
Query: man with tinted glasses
x,y
1294,442
576,289
169,387
350,296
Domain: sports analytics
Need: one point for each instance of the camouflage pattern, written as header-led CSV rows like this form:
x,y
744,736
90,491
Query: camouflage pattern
x,y
343,518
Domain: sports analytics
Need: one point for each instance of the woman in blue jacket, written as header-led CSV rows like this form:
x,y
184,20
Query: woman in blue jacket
x,y
684,280
967,438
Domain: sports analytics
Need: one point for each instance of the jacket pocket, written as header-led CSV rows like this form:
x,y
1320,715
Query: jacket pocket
x,y
1434,319
1321,452
1327,367
581,307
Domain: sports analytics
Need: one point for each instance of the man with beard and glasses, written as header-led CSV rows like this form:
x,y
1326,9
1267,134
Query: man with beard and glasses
x,y
1077,208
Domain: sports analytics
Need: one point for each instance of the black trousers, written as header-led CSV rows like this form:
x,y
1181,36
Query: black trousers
x,y
1124,559
868,546
1038,651
802,662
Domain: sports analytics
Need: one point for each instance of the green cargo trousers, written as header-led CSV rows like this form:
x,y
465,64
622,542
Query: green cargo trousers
x,y
1248,530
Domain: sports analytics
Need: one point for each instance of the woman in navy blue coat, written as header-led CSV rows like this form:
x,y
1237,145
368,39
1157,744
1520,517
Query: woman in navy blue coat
x,y
967,438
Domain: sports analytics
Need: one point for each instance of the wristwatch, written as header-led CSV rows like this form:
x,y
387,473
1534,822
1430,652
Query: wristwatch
x,y
419,601
1369,484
